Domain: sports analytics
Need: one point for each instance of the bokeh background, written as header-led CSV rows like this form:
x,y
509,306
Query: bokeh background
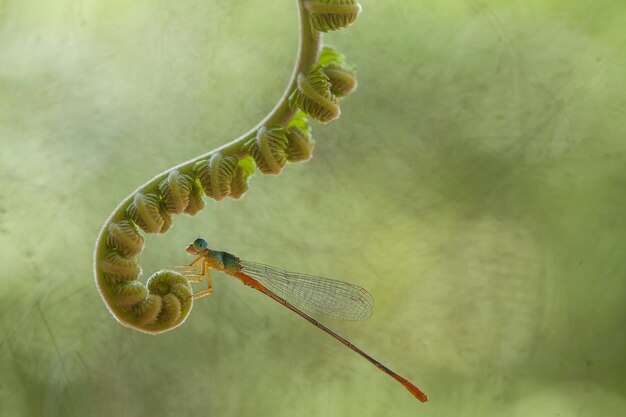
x,y
475,184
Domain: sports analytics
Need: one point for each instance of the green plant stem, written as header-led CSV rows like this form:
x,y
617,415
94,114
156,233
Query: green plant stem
x,y
308,53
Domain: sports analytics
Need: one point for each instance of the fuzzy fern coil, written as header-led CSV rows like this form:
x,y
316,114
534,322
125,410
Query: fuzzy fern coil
x,y
320,78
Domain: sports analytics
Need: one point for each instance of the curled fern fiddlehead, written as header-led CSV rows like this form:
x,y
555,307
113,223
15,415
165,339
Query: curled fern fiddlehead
x,y
146,212
244,170
313,96
341,75
332,14
195,199
300,143
268,150
284,135
216,174
125,238
175,190
118,268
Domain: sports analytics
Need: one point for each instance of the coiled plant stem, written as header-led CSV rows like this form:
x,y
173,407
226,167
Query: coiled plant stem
x,y
223,172
308,51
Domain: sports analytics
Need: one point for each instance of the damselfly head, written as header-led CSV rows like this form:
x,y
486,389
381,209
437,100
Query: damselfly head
x,y
197,246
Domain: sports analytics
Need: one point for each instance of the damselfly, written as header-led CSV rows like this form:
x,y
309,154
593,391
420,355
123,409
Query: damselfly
x,y
298,292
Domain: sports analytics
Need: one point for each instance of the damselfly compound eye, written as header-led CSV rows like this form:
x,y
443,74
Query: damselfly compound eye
x,y
200,244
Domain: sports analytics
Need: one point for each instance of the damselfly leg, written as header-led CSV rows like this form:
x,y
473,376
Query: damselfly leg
x,y
195,272
194,269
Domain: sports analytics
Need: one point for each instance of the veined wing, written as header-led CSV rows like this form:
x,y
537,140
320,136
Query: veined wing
x,y
328,297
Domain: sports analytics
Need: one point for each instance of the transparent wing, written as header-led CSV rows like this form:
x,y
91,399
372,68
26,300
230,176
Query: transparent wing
x,y
328,297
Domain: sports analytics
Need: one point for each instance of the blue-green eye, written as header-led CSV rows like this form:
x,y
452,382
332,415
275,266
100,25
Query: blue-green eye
x,y
200,244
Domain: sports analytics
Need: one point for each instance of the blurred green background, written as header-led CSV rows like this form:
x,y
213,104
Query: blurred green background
x,y
475,184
